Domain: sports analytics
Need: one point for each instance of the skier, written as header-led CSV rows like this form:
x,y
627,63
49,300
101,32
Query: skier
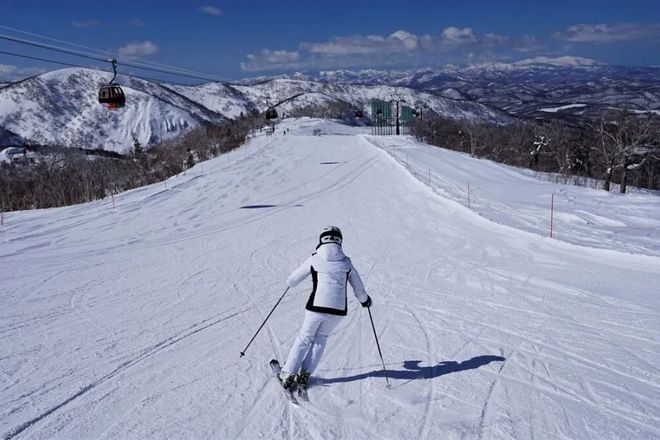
x,y
331,270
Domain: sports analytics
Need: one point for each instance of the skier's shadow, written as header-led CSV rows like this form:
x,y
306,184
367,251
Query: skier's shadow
x,y
414,371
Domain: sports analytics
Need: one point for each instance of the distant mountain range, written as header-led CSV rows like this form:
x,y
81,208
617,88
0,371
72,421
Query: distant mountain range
x,y
60,107
523,88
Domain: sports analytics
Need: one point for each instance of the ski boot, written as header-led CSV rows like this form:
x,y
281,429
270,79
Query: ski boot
x,y
303,380
287,380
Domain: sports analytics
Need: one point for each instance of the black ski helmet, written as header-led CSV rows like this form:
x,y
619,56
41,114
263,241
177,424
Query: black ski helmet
x,y
330,234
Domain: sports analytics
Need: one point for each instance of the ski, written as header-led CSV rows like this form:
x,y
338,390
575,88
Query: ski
x,y
303,383
302,394
290,393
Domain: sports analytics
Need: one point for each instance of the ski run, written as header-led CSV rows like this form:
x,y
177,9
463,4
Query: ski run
x,y
126,322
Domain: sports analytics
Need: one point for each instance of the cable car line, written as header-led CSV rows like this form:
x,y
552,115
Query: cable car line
x,y
92,57
51,47
40,59
110,94
152,69
112,55
131,74
55,40
104,60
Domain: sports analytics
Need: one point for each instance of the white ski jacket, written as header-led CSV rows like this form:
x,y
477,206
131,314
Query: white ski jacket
x,y
331,271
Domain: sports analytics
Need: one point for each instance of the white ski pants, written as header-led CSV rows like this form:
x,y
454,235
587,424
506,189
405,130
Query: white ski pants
x,y
308,348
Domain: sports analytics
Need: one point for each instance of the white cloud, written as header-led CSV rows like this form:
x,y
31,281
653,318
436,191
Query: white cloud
x,y
400,41
13,73
406,39
453,44
5,69
609,33
270,59
212,10
138,49
338,46
495,39
455,35
85,23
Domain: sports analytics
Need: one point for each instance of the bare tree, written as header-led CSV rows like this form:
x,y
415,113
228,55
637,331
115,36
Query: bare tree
x,y
474,134
64,176
626,148
625,141
539,145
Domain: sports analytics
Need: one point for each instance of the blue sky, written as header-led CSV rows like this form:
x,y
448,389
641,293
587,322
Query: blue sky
x,y
235,39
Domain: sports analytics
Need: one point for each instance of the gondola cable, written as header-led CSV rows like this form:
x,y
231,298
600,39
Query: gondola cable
x,y
98,58
107,54
109,94
133,75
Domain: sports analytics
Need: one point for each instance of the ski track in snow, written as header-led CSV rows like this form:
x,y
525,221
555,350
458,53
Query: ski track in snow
x,y
148,352
128,323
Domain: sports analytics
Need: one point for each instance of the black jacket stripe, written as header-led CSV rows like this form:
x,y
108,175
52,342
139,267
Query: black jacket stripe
x,y
329,310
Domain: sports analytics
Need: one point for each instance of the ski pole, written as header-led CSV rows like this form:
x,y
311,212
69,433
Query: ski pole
x,y
378,345
263,323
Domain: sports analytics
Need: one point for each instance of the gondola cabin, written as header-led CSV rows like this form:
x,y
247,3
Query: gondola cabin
x,y
112,96
271,113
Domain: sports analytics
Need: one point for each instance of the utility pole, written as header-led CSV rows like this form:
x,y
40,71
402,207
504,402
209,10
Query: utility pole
x,y
398,98
398,132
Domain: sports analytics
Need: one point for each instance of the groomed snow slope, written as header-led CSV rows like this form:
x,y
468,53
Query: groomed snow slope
x,y
127,322
522,199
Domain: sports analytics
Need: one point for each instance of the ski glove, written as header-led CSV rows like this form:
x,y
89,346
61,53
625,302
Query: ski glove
x,y
367,303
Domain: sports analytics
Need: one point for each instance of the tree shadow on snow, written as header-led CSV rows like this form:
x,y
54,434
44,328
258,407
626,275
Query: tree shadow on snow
x,y
414,371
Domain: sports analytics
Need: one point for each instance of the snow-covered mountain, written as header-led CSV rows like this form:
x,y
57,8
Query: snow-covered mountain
x,y
61,107
521,88
219,98
291,94
449,72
